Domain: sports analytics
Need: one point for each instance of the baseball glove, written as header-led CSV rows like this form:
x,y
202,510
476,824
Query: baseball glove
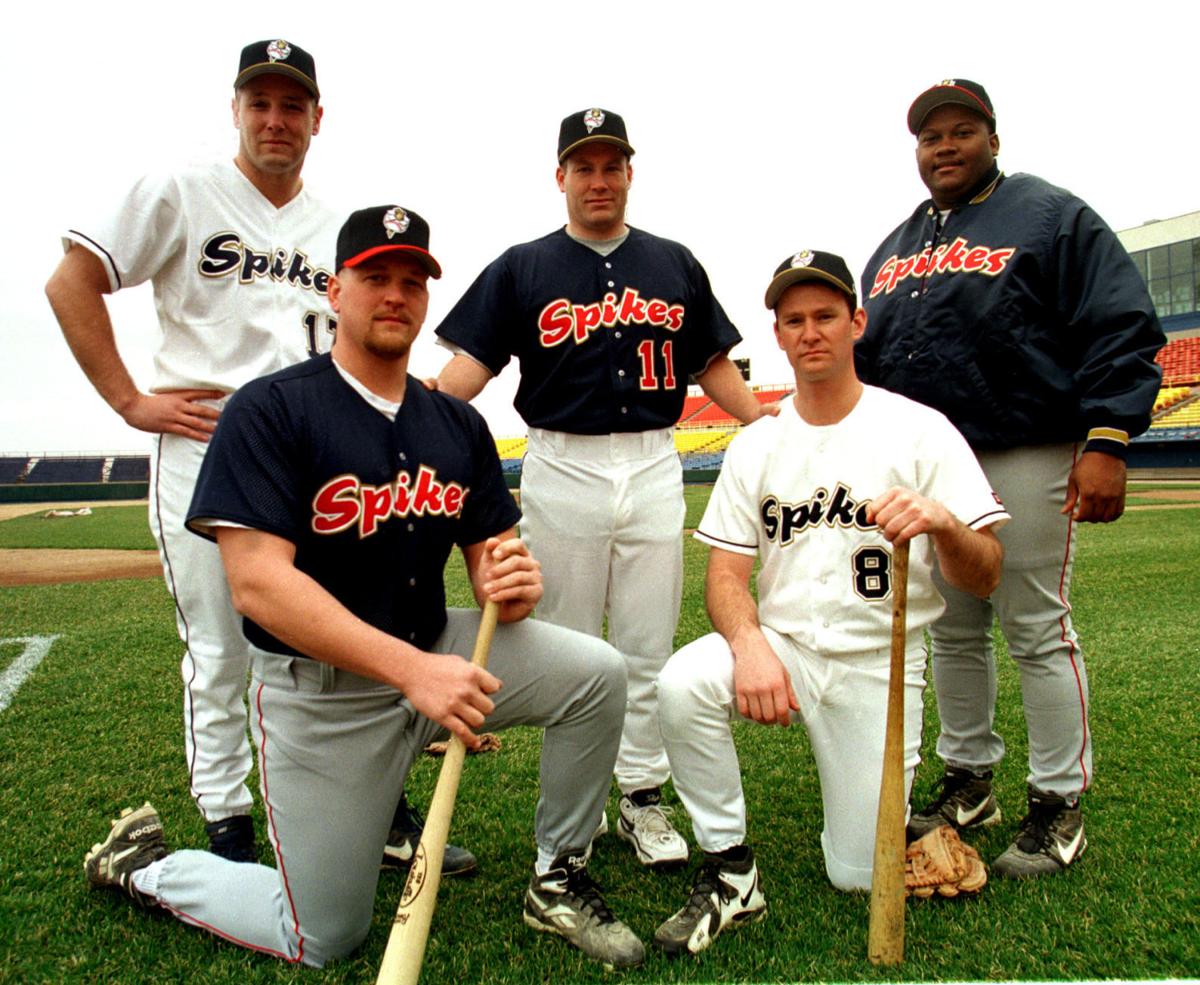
x,y
939,862
488,742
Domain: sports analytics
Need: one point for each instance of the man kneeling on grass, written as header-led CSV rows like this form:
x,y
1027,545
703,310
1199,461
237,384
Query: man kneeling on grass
x,y
821,494
336,490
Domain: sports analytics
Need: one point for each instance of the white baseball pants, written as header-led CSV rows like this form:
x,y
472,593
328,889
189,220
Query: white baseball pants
x,y
604,516
843,705
216,659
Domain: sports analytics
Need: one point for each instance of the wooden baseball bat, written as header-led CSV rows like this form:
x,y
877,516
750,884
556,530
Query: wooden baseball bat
x,y
885,936
405,951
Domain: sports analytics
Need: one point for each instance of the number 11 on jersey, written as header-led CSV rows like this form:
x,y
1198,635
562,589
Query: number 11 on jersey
x,y
649,379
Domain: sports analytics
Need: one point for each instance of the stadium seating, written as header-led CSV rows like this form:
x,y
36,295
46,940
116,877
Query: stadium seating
x,y
771,394
1169,396
12,470
700,439
512,447
692,405
54,470
130,468
703,448
1180,361
702,412
1185,414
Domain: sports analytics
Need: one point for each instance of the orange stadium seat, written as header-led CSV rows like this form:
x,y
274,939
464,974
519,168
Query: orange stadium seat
x,y
1180,362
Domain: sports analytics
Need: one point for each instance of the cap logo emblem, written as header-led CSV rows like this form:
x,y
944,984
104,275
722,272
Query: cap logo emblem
x,y
593,118
396,221
278,51
948,82
802,259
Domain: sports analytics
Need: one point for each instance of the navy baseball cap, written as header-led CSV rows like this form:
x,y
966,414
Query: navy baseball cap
x,y
829,268
280,58
592,126
960,92
383,229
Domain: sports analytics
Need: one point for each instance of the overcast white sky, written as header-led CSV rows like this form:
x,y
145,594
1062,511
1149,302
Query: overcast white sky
x,y
761,128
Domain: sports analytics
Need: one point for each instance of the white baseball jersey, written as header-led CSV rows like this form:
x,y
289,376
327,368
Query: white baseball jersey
x,y
797,495
240,286
241,289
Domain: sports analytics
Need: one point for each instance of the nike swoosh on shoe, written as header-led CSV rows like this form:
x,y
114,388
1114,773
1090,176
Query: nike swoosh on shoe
x,y
963,818
1068,851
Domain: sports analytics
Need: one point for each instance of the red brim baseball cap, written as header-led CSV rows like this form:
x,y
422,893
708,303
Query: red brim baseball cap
x,y
385,229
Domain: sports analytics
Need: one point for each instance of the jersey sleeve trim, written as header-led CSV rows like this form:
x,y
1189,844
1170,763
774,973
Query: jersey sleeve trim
x,y
206,526
726,545
457,350
993,518
114,275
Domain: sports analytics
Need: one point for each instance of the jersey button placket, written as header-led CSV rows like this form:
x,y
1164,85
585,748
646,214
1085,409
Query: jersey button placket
x,y
614,334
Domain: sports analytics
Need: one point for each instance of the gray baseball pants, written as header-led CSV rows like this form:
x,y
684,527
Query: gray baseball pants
x,y
1033,605
333,750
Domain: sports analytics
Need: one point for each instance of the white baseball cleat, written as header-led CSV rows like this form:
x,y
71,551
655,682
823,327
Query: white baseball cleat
x,y
644,824
725,894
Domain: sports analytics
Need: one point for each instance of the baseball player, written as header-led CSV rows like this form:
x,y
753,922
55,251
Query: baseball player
x,y
1009,305
336,490
240,256
820,495
608,322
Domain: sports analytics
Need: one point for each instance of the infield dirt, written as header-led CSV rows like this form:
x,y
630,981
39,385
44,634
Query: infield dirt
x,y
43,566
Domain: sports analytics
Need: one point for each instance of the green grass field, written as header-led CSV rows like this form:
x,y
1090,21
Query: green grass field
x,y
96,726
113,527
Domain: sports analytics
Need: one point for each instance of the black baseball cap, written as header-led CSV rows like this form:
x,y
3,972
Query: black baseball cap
x,y
828,268
960,92
281,58
591,126
382,229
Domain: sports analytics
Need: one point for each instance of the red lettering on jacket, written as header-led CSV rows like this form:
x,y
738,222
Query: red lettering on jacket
x,y
957,257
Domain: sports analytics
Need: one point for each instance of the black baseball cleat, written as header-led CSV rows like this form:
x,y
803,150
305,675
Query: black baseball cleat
x,y
136,840
407,825
233,838
966,801
1051,838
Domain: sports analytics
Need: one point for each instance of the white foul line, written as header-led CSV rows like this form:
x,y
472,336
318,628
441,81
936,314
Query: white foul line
x,y
36,648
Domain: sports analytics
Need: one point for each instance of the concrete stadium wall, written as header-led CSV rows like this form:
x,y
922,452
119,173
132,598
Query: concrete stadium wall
x,y
1164,455
86,492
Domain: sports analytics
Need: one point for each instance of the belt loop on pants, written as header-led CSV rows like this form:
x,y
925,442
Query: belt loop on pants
x,y
619,446
303,674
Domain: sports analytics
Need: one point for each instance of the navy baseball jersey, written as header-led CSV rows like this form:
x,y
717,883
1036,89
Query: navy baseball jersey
x,y
605,343
372,506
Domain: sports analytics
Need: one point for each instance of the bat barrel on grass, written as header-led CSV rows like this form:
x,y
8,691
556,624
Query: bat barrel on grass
x,y
405,950
885,936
